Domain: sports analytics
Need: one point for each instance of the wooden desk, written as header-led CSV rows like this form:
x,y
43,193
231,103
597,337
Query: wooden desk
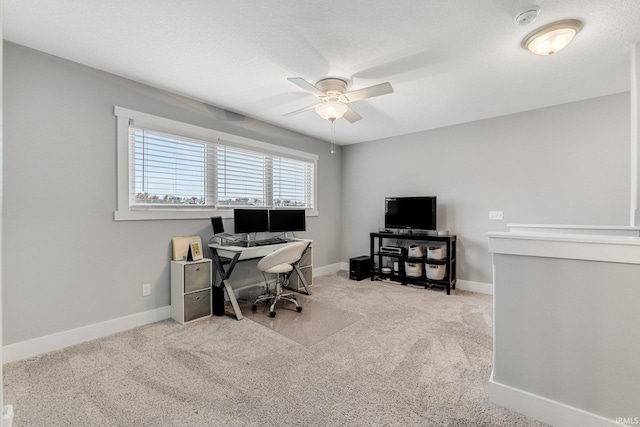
x,y
234,254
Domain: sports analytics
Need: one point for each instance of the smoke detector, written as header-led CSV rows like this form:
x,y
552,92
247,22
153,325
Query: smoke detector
x,y
528,16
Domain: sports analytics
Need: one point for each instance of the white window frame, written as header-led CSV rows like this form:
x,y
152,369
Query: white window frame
x,y
125,116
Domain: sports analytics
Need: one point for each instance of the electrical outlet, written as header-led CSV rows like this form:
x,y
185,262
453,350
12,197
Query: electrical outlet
x,y
146,289
496,215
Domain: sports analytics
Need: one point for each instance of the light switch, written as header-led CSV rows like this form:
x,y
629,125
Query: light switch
x,y
496,215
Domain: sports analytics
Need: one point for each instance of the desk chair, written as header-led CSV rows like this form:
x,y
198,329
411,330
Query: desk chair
x,y
281,263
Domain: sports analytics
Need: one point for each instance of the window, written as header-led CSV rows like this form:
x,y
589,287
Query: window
x,y
168,170
176,170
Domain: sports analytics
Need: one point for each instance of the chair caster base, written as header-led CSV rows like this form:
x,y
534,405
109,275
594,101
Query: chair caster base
x,y
298,309
253,307
272,314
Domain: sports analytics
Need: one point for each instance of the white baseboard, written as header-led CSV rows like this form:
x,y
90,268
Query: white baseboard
x,y
7,416
33,347
542,409
479,287
328,269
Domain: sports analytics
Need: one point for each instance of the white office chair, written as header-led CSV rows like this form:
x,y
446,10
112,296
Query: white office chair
x,y
281,263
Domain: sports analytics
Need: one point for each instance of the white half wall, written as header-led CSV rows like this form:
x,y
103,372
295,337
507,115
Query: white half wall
x,y
565,326
635,134
1,199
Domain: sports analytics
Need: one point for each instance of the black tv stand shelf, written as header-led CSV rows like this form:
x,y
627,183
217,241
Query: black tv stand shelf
x,y
380,258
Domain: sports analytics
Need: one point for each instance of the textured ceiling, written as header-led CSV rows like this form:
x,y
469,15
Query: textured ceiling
x,y
449,61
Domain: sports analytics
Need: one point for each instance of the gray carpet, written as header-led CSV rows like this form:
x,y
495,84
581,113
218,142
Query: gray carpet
x,y
413,358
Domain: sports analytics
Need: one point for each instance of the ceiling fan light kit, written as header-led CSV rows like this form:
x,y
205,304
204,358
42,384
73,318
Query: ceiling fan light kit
x,y
331,110
551,38
332,92
334,99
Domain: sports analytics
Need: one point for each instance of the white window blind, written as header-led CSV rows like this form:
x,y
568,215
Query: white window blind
x,y
243,177
168,170
292,182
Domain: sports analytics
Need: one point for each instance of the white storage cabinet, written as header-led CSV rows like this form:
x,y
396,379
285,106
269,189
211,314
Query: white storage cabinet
x,y
190,290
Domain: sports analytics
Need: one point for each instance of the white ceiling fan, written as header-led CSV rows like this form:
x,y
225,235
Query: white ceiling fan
x,y
334,97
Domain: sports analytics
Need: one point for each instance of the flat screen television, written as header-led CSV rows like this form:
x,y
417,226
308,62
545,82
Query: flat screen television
x,y
250,220
283,220
416,213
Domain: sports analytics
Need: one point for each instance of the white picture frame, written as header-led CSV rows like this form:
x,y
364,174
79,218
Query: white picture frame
x,y
195,247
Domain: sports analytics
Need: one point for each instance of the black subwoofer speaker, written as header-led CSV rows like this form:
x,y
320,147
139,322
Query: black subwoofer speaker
x,y
359,267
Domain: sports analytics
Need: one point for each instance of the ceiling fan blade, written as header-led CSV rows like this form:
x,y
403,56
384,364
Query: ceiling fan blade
x,y
302,110
352,116
368,92
302,83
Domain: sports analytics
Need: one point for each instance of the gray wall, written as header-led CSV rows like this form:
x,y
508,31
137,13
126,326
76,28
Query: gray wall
x,y
567,164
67,263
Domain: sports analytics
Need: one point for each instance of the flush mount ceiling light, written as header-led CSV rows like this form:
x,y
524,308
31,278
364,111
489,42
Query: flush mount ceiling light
x,y
551,38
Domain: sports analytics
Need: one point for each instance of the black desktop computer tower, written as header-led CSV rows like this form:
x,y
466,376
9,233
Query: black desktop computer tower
x,y
359,268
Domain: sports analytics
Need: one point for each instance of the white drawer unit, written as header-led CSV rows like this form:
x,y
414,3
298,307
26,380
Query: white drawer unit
x,y
306,268
190,290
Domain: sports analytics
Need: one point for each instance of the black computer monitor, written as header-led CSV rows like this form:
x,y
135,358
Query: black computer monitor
x,y
250,220
217,225
283,220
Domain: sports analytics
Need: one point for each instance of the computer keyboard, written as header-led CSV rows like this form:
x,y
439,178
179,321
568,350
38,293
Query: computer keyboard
x,y
265,242
226,236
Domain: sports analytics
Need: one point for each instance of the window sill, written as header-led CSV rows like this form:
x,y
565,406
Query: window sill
x,y
165,214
